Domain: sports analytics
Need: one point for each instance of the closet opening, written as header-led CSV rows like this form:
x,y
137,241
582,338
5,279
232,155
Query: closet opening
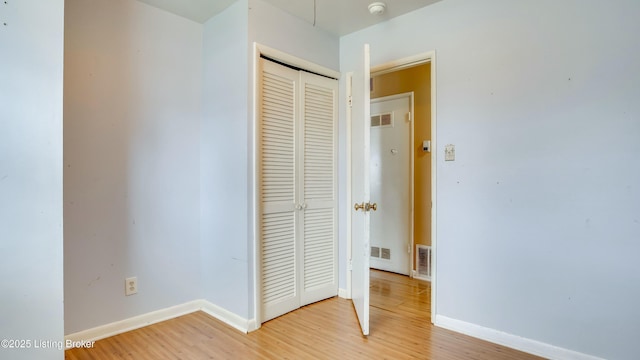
x,y
295,184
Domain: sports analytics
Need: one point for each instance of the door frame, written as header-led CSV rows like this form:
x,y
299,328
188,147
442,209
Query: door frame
x,y
254,206
394,65
411,96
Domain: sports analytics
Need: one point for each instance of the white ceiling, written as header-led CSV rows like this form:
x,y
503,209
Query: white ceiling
x,y
338,17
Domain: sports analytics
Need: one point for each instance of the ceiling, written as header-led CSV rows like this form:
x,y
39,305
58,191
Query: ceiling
x,y
338,17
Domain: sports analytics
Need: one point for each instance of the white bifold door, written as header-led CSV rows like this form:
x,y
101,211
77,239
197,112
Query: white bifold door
x,y
297,191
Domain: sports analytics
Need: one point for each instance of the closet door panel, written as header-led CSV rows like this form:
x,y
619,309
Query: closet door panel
x,y
319,188
319,255
277,190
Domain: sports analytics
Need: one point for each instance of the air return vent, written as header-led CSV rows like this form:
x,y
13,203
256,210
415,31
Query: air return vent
x,y
385,120
380,253
382,120
423,263
375,252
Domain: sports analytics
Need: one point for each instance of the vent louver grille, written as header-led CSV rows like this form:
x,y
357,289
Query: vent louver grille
x,y
423,261
375,251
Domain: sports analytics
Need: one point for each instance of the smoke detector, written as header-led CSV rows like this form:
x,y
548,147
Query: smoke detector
x,y
377,8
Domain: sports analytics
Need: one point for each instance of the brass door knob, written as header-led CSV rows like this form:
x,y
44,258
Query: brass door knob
x,y
366,206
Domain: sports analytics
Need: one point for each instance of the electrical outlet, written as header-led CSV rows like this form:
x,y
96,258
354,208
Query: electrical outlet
x,y
130,286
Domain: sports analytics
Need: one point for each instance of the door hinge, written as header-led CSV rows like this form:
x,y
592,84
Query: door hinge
x,y
350,265
409,116
350,101
408,248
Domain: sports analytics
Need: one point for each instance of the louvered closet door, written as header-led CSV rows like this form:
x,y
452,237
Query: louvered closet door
x,y
318,190
277,190
297,190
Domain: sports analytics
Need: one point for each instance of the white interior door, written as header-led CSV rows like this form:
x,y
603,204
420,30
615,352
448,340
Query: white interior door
x,y
360,153
390,178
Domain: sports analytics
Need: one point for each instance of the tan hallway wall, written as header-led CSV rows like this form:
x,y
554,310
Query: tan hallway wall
x,y
418,80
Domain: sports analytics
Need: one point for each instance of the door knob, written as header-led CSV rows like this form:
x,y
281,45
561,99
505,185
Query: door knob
x,y
366,206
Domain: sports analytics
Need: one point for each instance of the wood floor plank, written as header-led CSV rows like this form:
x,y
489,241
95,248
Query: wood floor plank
x,y
400,329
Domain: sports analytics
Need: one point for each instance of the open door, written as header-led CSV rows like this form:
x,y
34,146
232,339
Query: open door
x,y
360,190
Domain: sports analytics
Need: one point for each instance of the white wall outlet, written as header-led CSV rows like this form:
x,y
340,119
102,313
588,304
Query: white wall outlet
x,y
130,286
449,152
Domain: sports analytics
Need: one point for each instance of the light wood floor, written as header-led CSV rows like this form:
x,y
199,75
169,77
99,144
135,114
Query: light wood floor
x,y
400,329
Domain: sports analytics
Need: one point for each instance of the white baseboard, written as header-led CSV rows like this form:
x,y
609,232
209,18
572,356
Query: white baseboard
x,y
226,316
136,322
253,325
342,293
513,341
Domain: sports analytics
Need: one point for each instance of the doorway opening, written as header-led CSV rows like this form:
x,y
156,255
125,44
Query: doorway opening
x,y
358,103
414,75
406,180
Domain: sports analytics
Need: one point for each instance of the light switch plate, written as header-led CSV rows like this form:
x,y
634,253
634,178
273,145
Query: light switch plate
x,y
449,152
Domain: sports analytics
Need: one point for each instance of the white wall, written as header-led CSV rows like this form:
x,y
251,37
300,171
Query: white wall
x,y
31,299
539,216
224,161
133,77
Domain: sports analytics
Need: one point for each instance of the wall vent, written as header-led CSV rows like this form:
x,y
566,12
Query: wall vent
x,y
385,120
375,120
382,120
380,253
423,262
375,252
